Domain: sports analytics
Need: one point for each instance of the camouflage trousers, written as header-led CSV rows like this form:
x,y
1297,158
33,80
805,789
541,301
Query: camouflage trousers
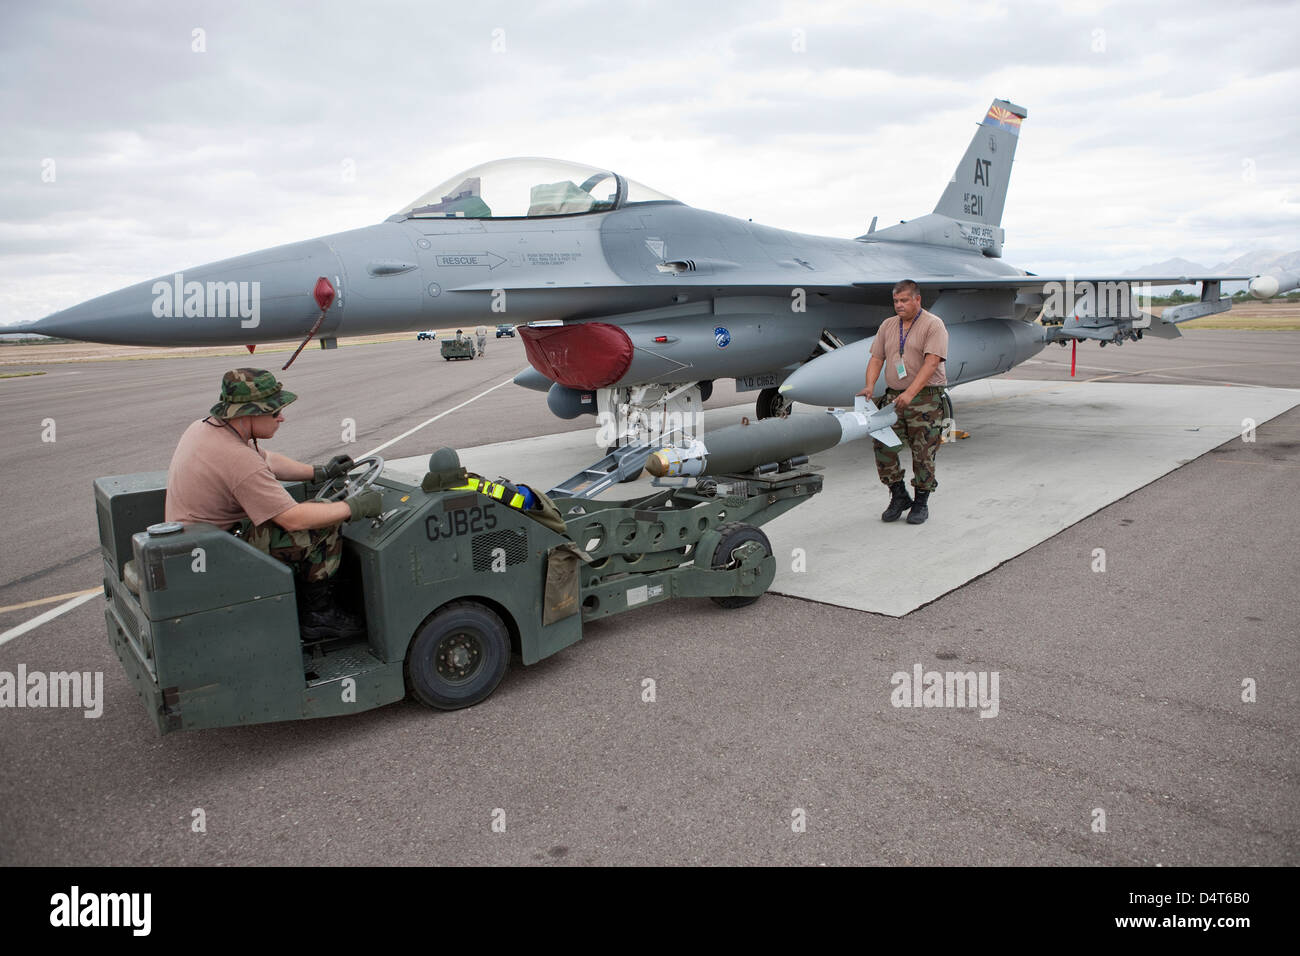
x,y
920,426
314,555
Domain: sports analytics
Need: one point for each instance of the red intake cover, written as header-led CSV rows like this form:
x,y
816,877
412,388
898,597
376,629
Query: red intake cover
x,y
591,355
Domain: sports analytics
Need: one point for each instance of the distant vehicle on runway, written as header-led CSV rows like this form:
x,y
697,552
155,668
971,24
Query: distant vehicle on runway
x,y
505,330
426,334
458,348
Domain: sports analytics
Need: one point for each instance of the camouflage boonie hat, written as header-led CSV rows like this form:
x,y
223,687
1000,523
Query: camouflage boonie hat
x,y
250,391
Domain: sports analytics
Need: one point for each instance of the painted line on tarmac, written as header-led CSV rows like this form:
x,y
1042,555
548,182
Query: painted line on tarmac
x,y
47,600
412,431
49,615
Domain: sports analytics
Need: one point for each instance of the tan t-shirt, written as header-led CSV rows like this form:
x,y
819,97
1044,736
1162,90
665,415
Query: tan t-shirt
x,y
217,477
928,335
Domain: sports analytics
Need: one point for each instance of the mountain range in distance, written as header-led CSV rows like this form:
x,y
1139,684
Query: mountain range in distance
x,y
1250,264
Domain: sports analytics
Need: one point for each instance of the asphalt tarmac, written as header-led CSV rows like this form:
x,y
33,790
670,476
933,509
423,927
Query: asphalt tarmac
x,y
772,737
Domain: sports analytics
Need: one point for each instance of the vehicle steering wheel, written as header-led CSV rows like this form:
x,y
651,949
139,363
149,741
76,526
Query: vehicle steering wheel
x,y
345,486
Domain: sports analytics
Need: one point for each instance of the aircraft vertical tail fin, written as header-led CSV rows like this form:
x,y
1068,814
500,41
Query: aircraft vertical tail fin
x,y
978,189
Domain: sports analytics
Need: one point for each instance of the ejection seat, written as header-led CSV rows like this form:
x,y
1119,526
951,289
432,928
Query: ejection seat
x,y
558,199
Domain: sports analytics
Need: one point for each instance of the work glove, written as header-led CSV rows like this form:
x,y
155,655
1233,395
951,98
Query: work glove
x,y
368,504
338,466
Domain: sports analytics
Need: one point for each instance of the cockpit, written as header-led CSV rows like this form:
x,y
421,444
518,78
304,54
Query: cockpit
x,y
529,188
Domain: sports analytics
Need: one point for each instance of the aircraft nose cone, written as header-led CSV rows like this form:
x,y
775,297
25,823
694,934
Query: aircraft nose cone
x,y
258,297
118,318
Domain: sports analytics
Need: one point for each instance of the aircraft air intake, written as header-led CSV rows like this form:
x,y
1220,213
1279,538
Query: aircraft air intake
x,y
591,355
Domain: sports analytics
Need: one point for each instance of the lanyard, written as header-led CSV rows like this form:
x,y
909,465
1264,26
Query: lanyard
x,y
902,339
227,424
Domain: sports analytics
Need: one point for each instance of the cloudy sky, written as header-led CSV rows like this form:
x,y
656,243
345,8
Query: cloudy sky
x,y
144,138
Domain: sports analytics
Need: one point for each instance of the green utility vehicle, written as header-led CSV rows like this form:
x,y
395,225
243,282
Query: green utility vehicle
x,y
462,348
451,581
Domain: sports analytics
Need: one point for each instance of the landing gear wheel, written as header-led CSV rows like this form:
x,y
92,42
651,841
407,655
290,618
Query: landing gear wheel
x,y
734,534
458,656
946,406
772,404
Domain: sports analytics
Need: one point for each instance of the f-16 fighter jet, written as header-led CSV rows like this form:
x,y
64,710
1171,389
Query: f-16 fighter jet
x,y
631,304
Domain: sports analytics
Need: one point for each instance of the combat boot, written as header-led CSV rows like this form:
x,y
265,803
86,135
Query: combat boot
x,y
321,619
899,503
920,510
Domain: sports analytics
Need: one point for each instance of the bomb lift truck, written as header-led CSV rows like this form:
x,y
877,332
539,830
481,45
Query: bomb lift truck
x,y
451,581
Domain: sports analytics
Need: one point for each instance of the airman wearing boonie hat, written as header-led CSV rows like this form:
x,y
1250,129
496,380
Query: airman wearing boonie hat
x,y
218,474
250,391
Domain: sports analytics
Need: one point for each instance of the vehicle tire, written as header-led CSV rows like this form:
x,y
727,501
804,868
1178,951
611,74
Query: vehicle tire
x,y
946,406
706,390
772,404
458,656
734,534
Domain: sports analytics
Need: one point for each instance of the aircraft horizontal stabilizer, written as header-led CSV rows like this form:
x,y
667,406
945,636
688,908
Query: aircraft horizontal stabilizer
x,y
1115,318
1105,329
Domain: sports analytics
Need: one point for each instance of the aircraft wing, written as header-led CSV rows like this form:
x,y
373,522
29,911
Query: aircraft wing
x,y
1043,284
1020,283
1101,308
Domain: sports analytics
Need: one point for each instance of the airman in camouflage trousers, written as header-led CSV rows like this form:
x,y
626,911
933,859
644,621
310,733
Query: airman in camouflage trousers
x,y
920,426
313,554
220,476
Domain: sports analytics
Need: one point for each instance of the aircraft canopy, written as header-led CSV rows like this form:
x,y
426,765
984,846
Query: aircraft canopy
x,y
529,187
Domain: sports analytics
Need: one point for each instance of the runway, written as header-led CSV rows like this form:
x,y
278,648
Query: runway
x,y
1119,690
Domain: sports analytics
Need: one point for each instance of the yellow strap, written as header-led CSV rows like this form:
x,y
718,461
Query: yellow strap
x,y
496,492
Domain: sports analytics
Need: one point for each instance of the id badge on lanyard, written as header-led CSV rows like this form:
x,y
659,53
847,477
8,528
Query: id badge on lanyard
x,y
899,367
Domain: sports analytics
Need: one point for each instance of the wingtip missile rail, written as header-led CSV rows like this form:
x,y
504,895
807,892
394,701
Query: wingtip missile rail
x,y
1267,286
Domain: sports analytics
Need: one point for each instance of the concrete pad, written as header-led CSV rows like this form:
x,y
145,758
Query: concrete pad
x,y
1041,457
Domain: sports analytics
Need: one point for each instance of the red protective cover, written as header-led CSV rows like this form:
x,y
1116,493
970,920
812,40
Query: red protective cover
x,y
591,355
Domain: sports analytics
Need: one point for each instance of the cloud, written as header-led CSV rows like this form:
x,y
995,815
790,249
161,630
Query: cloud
x,y
1154,131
